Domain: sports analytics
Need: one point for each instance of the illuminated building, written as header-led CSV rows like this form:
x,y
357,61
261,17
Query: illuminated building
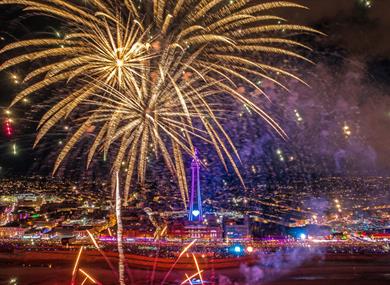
x,y
12,231
235,230
178,231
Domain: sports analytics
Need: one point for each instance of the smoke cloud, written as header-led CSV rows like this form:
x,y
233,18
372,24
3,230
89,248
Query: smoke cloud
x,y
272,266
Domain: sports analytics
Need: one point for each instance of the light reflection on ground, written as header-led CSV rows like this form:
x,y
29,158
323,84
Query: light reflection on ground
x,y
345,271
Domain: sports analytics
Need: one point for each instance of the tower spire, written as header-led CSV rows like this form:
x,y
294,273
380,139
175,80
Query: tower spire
x,y
195,212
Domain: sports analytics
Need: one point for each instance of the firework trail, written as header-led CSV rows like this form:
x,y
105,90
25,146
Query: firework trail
x,y
119,236
185,249
90,277
73,282
102,253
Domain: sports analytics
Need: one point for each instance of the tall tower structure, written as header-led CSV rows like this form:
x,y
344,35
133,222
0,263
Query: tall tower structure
x,y
195,213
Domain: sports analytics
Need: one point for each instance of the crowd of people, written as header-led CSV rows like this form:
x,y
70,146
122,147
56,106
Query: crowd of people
x,y
172,250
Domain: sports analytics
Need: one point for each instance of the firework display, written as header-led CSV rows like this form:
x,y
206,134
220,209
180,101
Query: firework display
x,y
151,76
194,142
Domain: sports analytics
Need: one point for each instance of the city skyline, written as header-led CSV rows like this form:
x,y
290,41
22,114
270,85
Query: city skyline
x,y
194,142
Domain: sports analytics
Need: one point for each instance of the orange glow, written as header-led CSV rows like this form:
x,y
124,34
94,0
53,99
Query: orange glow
x,y
85,280
186,248
197,267
174,264
93,239
88,276
77,261
190,277
249,249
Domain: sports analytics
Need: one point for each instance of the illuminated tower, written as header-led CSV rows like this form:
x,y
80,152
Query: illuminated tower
x,y
195,213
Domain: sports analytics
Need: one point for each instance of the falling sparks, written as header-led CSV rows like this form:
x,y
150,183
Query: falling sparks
x,y
185,249
198,268
89,276
347,131
279,152
85,280
253,169
298,116
189,278
14,149
198,273
15,78
119,235
76,264
101,251
93,240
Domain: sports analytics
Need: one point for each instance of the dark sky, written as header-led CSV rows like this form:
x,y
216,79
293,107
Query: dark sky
x,y
363,32
350,24
360,33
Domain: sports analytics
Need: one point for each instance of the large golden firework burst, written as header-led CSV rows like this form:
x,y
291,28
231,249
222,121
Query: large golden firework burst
x,y
151,75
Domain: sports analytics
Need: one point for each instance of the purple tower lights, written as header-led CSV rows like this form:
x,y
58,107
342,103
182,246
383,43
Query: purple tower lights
x,y
195,213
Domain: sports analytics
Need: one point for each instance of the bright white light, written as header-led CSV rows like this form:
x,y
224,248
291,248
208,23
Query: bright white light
x,y
195,213
302,236
249,249
237,249
119,62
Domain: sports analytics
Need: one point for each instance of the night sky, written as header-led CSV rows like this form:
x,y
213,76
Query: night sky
x,y
354,60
